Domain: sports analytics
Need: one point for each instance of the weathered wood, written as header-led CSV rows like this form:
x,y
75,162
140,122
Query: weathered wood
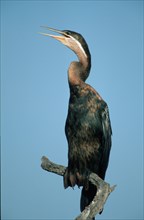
x,y
103,189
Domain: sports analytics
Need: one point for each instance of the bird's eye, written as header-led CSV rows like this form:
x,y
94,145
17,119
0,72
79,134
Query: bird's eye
x,y
67,33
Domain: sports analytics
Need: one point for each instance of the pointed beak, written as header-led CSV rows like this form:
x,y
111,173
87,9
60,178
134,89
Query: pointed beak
x,y
60,38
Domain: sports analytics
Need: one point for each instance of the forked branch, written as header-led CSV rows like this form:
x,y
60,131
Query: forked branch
x,y
103,189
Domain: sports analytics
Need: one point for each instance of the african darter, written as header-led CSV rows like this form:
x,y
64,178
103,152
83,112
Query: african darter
x,y
88,128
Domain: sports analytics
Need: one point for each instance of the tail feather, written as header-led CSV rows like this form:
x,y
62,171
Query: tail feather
x,y
87,196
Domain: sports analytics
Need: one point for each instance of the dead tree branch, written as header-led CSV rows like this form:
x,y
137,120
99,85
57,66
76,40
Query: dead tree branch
x,y
103,189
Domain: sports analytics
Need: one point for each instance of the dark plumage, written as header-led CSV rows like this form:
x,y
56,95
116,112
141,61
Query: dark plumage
x,y
88,127
88,132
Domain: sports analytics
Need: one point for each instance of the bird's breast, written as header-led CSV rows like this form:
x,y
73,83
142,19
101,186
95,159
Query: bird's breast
x,y
83,120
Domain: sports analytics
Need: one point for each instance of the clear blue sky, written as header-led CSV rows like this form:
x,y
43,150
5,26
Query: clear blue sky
x,y
35,97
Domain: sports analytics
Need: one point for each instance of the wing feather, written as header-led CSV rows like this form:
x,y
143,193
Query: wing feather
x,y
106,142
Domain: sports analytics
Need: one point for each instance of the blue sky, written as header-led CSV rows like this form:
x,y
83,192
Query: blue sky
x,y
35,97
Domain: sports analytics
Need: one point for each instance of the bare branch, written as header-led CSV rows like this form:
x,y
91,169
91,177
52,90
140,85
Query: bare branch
x,y
103,189
52,167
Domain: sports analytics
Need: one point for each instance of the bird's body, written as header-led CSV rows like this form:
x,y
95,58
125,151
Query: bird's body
x,y
88,133
88,127
84,132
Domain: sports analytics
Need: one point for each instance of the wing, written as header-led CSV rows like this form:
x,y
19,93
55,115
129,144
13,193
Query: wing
x,y
106,140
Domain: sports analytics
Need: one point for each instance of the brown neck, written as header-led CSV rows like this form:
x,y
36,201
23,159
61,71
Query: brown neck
x,y
79,70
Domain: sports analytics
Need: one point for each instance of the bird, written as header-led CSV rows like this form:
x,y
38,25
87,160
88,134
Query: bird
x,y
88,126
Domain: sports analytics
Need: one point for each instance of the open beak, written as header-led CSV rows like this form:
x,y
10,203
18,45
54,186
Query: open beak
x,y
61,37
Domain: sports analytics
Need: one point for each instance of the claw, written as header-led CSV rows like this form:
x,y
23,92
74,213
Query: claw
x,y
65,179
72,179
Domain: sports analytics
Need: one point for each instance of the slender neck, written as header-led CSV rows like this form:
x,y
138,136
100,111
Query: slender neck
x,y
79,70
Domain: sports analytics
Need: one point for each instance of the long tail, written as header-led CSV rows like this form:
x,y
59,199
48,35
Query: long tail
x,y
87,196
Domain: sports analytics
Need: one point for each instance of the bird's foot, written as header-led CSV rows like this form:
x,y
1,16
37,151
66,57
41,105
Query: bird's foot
x,y
72,178
69,179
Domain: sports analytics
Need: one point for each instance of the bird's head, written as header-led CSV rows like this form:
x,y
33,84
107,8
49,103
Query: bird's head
x,y
71,39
